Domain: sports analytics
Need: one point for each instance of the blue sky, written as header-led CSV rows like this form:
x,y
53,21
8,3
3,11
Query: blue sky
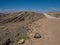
x,y
30,5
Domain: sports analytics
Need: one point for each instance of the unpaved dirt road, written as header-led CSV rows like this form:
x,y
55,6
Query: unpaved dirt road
x,y
49,30
51,17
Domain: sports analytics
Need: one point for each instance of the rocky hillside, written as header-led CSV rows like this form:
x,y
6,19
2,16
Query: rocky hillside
x,y
14,26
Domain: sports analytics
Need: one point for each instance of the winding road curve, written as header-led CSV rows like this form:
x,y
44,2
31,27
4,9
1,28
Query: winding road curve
x,y
50,17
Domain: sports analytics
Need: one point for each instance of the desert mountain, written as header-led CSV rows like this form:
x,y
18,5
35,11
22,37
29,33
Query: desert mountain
x,y
31,27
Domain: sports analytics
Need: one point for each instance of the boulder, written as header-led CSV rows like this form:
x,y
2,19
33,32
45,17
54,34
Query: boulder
x,y
37,35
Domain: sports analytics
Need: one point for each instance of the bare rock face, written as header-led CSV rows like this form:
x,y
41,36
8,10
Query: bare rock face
x,y
37,35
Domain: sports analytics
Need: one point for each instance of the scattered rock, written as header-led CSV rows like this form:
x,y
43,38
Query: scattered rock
x,y
21,41
37,35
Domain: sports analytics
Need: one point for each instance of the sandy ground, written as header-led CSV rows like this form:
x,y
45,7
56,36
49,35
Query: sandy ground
x,y
49,30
